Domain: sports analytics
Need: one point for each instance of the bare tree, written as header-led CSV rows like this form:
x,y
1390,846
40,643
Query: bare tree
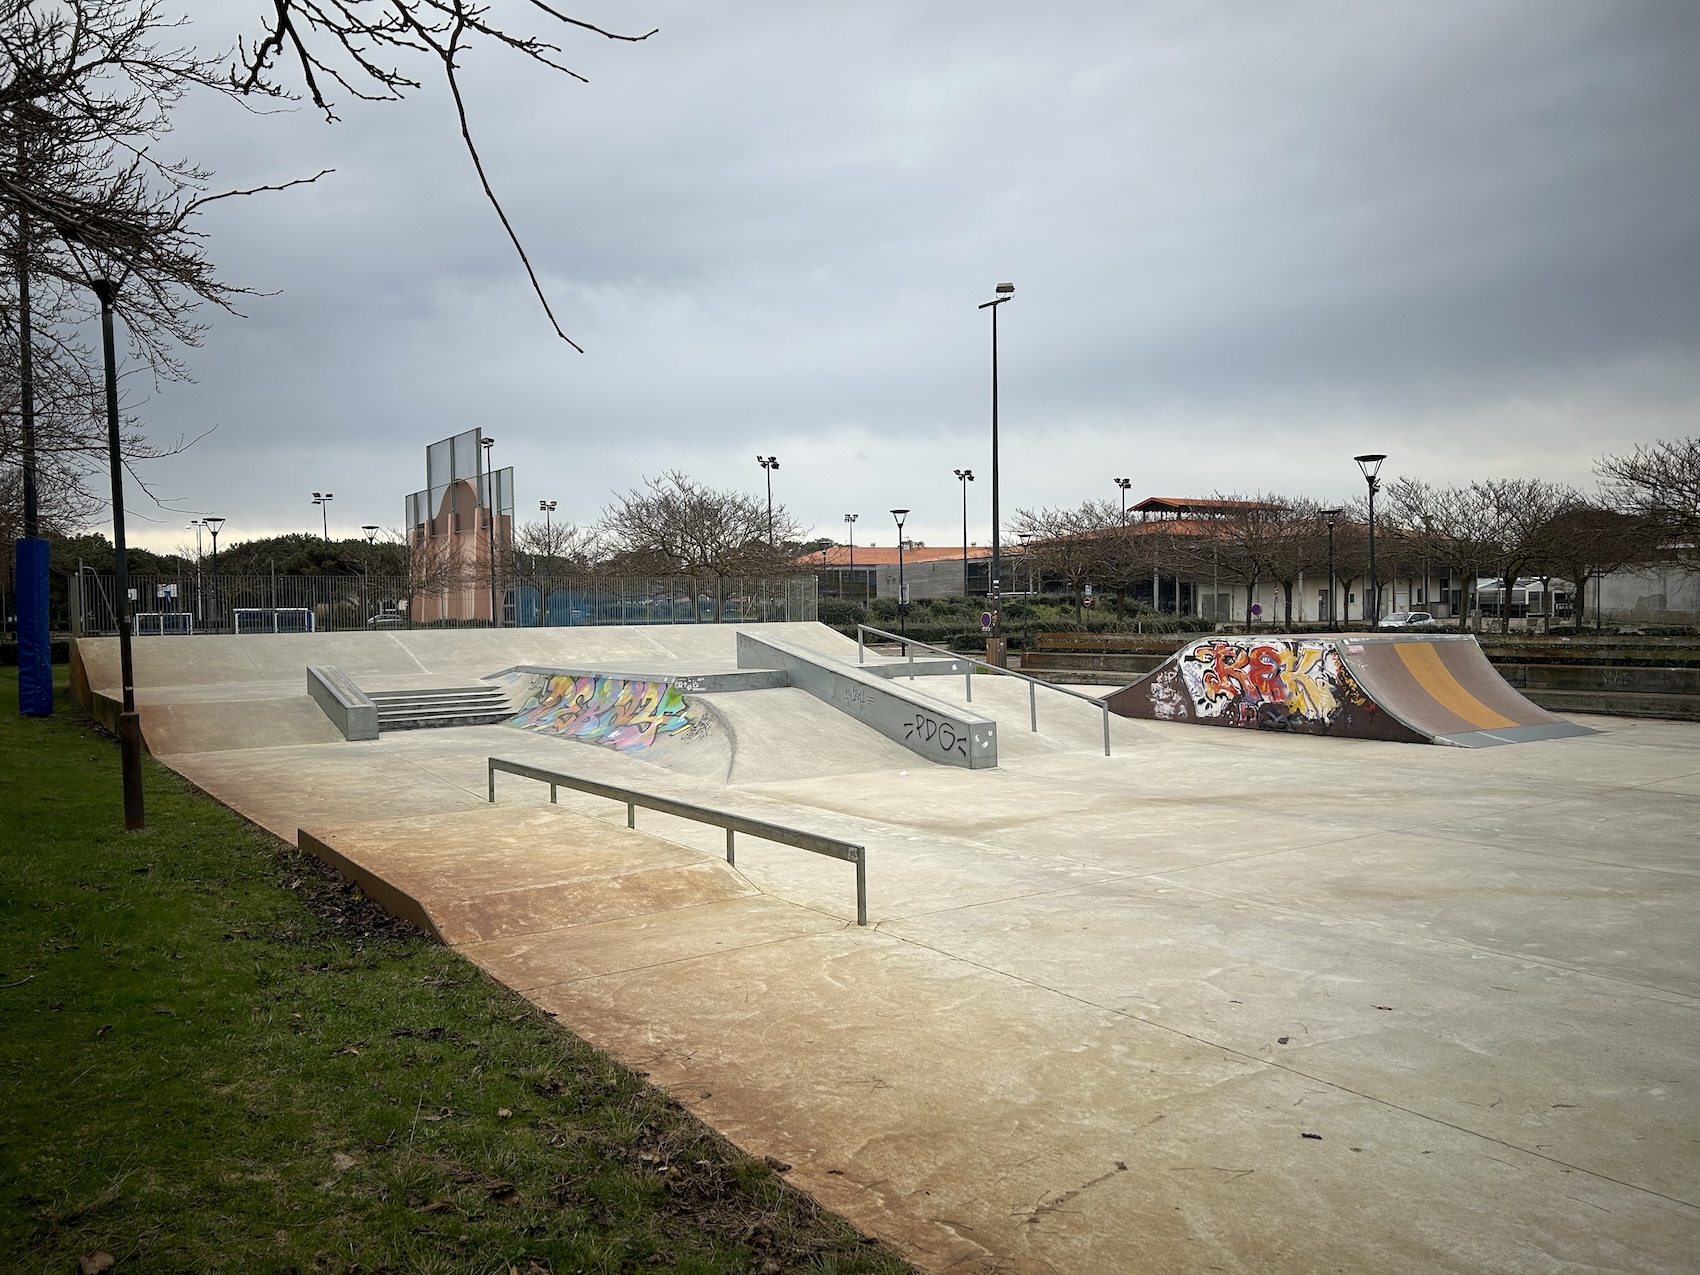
x,y
1585,539
1243,540
542,549
1458,527
1299,547
1660,483
1076,545
86,91
1522,509
361,48
673,525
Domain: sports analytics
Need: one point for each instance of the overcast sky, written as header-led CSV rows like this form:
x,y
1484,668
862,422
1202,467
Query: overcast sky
x,y
1248,241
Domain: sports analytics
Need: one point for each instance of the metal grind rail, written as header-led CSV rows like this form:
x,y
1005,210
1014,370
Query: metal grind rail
x,y
1033,683
814,842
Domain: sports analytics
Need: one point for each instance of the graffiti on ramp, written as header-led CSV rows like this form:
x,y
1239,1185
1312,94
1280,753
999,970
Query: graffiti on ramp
x,y
613,712
1404,688
1264,684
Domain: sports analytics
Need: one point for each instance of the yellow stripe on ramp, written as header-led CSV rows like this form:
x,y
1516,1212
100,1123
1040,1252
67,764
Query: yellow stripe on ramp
x,y
1424,664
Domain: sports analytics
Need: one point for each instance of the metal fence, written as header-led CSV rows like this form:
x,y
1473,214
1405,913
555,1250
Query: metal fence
x,y
191,603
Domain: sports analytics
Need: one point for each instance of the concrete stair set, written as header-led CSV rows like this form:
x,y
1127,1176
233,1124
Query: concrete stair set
x,y
442,706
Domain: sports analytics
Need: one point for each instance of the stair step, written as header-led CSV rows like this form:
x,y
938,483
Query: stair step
x,y
427,707
434,692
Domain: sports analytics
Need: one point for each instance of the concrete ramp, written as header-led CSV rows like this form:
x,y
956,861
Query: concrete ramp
x,y
499,872
1411,688
923,724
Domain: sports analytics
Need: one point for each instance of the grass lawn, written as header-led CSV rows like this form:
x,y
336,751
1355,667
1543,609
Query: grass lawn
x,y
217,1056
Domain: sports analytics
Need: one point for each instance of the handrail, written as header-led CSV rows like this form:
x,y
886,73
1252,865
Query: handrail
x,y
831,847
1033,683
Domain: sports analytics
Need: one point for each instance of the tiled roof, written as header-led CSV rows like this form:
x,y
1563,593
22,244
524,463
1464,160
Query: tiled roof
x,y
886,555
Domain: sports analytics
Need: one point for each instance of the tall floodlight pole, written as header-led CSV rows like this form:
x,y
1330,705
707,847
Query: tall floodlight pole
x,y
1124,484
547,507
850,521
1005,291
1371,467
902,589
485,442
964,476
323,500
768,465
1331,516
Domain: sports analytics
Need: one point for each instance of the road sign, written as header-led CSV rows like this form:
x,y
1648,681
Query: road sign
x,y
1257,608
985,621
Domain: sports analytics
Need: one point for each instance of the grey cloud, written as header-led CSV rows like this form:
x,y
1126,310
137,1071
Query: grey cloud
x,y
1298,228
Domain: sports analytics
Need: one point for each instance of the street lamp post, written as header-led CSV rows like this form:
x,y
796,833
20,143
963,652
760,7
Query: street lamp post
x,y
850,520
547,508
1005,291
1371,467
323,501
902,589
768,465
1331,516
1124,484
371,532
486,443
965,476
213,525
129,723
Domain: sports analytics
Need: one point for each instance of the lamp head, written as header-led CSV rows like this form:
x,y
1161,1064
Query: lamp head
x,y
851,517
213,524
966,475
486,441
1331,516
1006,289
1124,483
900,515
1370,465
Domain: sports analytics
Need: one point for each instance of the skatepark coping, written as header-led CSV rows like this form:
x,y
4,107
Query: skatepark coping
x,y
815,842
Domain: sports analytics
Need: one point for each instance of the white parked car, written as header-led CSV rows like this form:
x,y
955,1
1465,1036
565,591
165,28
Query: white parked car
x,y
1407,620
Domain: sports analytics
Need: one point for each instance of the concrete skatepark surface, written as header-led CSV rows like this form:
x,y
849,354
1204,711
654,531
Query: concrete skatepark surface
x,y
1103,1000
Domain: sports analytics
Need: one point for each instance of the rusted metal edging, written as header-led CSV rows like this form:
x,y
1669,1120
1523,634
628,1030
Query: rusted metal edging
x,y
813,842
1101,702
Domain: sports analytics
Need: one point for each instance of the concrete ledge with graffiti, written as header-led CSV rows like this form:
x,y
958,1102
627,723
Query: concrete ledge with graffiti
x,y
613,712
929,727
1412,689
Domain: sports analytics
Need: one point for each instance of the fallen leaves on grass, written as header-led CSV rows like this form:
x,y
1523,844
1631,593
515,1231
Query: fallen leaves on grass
x,y
95,1263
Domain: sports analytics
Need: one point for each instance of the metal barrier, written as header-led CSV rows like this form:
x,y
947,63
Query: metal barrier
x,y
814,842
1033,683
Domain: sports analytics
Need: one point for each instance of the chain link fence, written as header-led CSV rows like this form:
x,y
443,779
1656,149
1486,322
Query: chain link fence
x,y
252,604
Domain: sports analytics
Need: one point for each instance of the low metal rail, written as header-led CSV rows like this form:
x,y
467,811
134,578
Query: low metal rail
x,y
1033,683
814,842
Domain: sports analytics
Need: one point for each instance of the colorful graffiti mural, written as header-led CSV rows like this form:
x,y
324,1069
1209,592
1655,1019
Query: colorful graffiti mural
x,y
611,711
1264,683
1267,683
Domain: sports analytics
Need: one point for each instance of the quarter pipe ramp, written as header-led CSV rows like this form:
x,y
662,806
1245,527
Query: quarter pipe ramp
x,y
1408,688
